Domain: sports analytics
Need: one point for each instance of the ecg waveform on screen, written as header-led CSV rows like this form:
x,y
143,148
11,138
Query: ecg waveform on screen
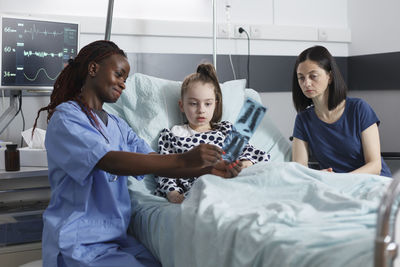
x,y
33,31
42,54
37,74
33,52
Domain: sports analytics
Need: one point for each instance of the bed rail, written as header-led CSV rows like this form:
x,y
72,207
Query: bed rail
x,y
386,248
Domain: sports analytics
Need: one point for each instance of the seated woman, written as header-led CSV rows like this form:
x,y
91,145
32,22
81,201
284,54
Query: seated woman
x,y
341,132
201,101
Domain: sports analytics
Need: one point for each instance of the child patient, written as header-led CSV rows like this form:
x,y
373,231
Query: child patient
x,y
201,101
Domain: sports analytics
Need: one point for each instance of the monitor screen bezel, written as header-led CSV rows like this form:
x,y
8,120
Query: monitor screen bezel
x,y
39,19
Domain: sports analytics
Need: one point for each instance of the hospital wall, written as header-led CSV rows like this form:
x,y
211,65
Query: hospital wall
x,y
184,29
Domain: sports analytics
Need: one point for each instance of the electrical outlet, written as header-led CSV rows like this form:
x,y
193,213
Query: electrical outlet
x,y
223,31
243,34
322,35
255,31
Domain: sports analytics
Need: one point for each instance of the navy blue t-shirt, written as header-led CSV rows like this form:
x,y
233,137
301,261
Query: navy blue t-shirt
x,y
338,145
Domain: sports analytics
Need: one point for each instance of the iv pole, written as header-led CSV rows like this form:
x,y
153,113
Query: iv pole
x,y
214,2
109,20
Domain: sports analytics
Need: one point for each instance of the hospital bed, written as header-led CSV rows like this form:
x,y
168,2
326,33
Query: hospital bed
x,y
273,214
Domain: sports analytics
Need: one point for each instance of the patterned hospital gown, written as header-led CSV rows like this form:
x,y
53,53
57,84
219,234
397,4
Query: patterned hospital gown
x,y
178,141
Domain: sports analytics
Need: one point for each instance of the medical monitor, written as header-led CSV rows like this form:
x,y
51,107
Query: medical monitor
x,y
34,51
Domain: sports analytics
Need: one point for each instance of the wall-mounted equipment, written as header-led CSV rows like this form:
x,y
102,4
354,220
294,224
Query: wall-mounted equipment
x,y
34,51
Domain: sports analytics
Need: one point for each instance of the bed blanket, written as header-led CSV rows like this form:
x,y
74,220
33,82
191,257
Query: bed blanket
x,y
273,214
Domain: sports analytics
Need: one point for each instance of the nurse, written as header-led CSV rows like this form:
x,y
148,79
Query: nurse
x,y
90,154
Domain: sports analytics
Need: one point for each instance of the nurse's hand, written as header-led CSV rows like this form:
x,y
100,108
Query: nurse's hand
x,y
203,155
226,169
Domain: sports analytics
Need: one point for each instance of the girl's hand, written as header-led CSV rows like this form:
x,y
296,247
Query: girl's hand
x,y
225,169
246,163
175,197
201,156
327,170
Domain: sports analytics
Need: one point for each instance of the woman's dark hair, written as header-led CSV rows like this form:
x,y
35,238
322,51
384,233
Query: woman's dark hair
x,y
206,73
71,79
337,88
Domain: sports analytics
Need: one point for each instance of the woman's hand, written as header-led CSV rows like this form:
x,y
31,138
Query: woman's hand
x,y
203,155
327,170
225,169
300,151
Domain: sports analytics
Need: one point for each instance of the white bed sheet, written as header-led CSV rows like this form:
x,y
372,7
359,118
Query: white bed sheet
x,y
273,214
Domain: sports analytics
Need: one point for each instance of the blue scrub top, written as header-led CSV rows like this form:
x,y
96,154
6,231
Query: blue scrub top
x,y
90,209
338,145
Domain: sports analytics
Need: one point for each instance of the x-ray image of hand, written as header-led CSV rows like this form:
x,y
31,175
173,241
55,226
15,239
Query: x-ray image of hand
x,y
233,145
248,120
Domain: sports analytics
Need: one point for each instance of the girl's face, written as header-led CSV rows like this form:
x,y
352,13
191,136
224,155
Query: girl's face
x,y
198,104
109,78
313,80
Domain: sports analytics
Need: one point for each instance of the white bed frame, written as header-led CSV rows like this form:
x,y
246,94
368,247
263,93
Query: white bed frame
x,y
386,248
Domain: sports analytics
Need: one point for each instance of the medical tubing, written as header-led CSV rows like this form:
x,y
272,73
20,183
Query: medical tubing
x,y
241,30
23,126
23,118
3,101
20,105
232,67
228,21
248,60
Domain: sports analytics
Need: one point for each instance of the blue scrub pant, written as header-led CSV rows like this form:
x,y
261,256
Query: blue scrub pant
x,y
115,256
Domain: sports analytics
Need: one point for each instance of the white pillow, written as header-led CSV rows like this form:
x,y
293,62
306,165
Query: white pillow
x,y
150,104
232,99
268,137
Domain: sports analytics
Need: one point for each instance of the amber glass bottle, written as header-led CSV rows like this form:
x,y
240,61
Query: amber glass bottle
x,y
11,157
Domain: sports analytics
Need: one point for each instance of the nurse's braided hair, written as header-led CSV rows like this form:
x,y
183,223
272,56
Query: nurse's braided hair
x,y
71,79
205,73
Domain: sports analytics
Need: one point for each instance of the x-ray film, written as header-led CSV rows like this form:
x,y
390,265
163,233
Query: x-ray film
x,y
248,120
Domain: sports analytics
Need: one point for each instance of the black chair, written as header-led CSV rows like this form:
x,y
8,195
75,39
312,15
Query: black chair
x,y
390,155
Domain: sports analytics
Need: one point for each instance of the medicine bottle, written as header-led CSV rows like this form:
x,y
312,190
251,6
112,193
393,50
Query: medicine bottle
x,y
11,157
